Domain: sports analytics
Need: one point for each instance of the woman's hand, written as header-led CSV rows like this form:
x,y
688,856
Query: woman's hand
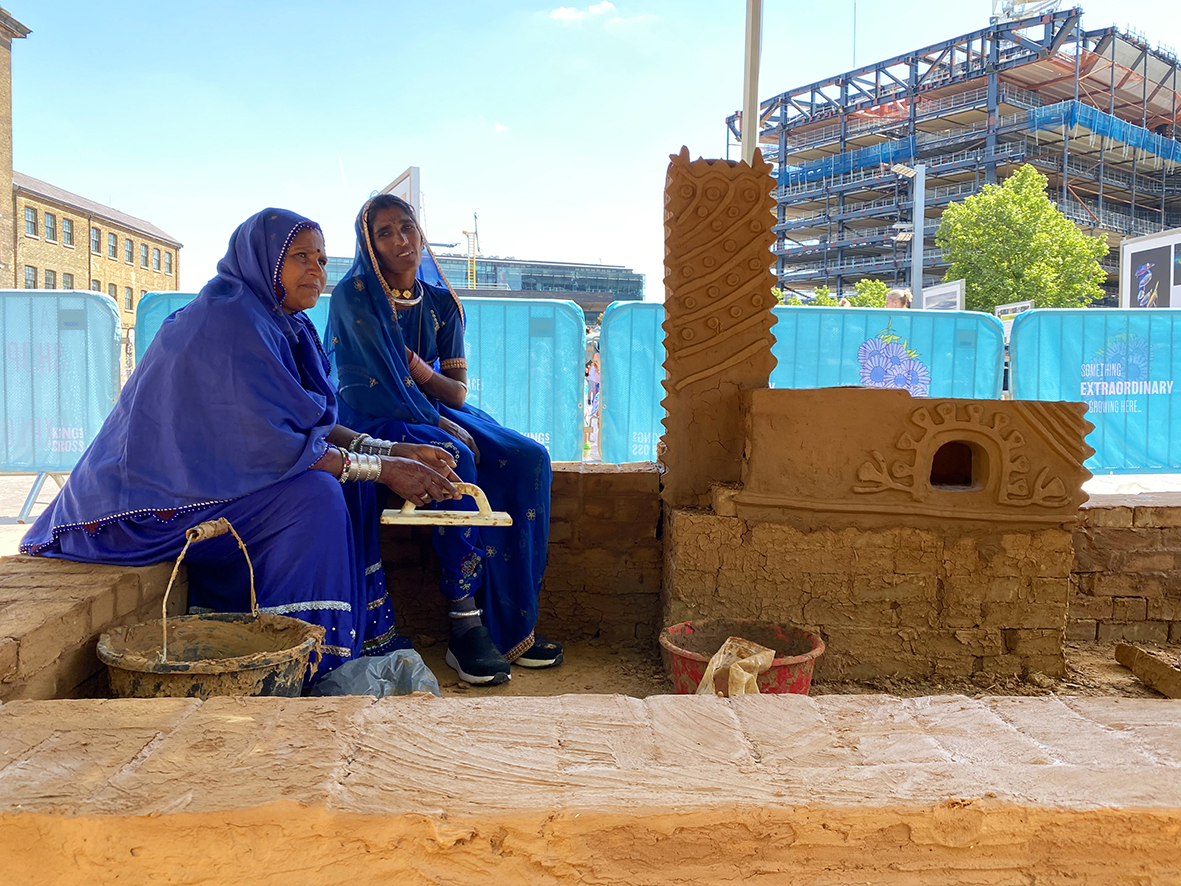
x,y
437,459
448,426
415,482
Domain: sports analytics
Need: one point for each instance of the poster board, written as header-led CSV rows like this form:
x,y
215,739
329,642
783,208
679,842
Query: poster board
x,y
943,297
1150,271
407,187
1007,313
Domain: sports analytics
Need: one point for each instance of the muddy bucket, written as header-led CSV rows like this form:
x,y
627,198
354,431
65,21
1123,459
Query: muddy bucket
x,y
687,648
199,656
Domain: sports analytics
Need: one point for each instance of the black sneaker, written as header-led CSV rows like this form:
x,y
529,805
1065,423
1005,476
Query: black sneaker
x,y
476,659
542,654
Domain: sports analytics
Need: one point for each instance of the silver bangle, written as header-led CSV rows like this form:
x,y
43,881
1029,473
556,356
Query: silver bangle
x,y
374,468
346,468
372,446
357,444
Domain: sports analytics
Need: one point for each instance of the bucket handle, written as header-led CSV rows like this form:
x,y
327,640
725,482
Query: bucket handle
x,y
471,489
201,532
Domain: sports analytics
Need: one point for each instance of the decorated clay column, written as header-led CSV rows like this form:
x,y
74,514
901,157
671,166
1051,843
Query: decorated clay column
x,y
717,328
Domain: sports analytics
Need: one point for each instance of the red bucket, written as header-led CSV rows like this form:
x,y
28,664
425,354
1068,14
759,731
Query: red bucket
x,y
687,648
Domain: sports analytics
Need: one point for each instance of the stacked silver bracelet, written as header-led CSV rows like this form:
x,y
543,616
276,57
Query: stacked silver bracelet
x,y
367,445
359,467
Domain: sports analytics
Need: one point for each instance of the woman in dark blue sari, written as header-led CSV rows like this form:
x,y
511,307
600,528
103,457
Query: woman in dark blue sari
x,y
387,330
231,413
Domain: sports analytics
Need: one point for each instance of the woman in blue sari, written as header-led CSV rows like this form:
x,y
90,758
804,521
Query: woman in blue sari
x,y
231,413
387,330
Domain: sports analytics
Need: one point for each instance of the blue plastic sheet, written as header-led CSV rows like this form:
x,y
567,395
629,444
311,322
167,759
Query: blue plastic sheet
x,y
155,307
929,353
631,359
525,368
1122,364
59,377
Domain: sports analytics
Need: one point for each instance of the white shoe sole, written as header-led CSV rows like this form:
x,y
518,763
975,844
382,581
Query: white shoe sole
x,y
538,663
494,679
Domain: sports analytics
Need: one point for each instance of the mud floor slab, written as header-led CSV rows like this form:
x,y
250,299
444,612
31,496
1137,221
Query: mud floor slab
x,y
592,789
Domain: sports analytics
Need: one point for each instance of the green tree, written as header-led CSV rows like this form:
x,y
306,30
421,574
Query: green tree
x,y
1009,243
870,293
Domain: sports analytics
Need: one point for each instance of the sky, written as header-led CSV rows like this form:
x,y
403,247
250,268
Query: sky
x,y
554,123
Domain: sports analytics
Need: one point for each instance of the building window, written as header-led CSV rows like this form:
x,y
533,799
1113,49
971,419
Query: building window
x,y
143,255
67,232
112,290
30,277
112,245
168,263
51,279
51,227
128,251
67,281
155,259
95,241
95,286
30,221
128,303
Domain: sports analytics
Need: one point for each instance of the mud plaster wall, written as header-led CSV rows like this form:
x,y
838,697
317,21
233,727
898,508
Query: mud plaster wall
x,y
1127,570
900,601
717,328
605,559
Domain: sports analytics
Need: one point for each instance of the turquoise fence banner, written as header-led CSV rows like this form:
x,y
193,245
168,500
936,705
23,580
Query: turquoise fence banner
x,y
1122,364
928,353
525,368
151,312
631,359
155,307
59,377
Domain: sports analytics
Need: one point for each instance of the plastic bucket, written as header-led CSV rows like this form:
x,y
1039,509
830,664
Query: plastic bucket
x,y
199,656
687,648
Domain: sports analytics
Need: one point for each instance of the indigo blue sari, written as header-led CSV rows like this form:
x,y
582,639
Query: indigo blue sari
x,y
366,339
230,406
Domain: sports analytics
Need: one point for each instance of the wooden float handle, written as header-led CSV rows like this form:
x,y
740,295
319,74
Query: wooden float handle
x,y
471,489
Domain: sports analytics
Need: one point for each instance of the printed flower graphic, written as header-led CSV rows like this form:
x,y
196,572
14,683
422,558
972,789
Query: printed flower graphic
x,y
886,362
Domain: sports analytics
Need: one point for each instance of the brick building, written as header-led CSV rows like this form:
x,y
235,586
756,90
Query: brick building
x,y
64,241
10,29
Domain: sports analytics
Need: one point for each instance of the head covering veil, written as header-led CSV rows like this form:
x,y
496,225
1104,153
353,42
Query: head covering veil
x,y
232,395
370,360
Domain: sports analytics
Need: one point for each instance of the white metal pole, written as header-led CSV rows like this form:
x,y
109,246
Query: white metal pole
x,y
750,91
919,183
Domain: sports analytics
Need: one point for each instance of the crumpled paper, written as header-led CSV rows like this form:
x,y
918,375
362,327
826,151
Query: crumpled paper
x,y
744,660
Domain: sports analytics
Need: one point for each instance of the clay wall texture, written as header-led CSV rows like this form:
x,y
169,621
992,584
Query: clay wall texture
x,y
605,559
717,329
897,600
1127,571
602,790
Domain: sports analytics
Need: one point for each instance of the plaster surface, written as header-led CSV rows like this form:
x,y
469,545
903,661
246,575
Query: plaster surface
x,y
717,258
592,789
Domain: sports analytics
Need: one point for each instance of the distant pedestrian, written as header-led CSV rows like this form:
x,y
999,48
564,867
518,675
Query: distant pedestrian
x,y
898,298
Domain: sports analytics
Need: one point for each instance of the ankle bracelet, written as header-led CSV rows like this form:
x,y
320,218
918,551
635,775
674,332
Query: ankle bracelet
x,y
469,614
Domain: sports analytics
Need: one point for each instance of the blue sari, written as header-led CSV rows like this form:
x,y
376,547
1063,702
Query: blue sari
x,y
366,339
230,406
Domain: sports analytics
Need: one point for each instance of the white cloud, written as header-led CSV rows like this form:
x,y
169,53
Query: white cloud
x,y
568,14
500,127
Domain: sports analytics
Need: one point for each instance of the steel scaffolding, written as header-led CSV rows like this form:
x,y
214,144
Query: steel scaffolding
x,y
1095,111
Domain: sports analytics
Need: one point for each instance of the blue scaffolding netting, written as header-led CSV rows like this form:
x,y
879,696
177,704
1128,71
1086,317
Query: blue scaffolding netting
x,y
1071,114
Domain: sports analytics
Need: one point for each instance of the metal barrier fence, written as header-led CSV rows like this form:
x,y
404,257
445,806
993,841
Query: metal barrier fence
x,y
155,307
929,353
631,359
525,368
59,378
1122,364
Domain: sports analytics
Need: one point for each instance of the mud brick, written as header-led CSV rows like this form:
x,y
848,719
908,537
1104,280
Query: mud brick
x,y
599,507
126,595
1137,632
1098,516
1052,591
1084,606
1157,516
1023,615
1129,609
1164,608
1032,642
62,626
102,610
1128,585
1144,561
1082,629
1175,632
8,659
560,532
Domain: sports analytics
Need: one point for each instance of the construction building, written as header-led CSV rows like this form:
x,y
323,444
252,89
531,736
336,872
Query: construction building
x,y
1095,111
591,286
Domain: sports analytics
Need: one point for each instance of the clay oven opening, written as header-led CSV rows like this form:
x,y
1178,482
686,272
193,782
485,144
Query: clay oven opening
x,y
958,465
